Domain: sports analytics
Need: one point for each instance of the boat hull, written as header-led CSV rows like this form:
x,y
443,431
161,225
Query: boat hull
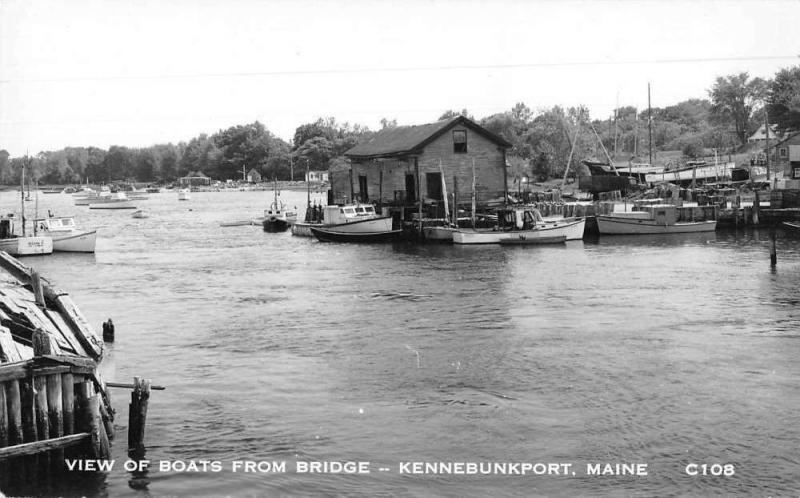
x,y
612,225
523,240
570,230
273,225
334,235
112,205
303,229
439,234
75,242
371,225
27,246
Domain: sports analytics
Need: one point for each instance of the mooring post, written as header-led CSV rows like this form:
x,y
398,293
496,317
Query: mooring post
x,y
773,253
137,414
756,208
108,331
38,291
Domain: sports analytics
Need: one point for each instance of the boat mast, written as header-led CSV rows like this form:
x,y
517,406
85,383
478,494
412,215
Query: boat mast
x,y
474,200
22,194
649,125
36,210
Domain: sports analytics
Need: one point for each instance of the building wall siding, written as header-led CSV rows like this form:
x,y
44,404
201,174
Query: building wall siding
x,y
783,164
487,155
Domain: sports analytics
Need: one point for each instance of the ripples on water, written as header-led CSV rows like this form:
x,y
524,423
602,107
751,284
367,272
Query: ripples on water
x,y
646,349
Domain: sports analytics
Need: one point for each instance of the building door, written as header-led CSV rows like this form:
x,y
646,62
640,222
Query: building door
x,y
362,188
411,190
433,183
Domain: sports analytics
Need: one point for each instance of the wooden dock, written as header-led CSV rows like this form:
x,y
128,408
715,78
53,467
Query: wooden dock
x,y
52,402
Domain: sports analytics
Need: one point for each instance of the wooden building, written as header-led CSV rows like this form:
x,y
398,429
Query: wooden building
x,y
787,158
401,166
253,176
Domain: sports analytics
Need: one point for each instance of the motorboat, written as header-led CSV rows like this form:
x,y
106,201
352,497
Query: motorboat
x,y
521,223
17,244
333,234
349,218
654,219
277,218
65,234
114,201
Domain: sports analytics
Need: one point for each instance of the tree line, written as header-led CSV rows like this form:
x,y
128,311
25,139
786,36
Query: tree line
x,y
542,140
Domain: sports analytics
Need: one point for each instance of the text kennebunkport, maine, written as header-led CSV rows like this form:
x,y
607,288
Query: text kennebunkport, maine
x,y
362,467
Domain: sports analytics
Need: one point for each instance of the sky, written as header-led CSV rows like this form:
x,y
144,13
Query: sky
x,y
138,73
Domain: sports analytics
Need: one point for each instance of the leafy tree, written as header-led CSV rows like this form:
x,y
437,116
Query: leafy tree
x,y
733,99
783,99
387,123
450,114
318,151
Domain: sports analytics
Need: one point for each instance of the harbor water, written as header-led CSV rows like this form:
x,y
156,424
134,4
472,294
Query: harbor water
x,y
664,351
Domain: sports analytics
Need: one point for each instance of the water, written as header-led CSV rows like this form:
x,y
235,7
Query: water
x,y
664,351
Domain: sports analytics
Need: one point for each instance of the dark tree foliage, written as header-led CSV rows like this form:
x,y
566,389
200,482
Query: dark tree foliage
x,y
783,99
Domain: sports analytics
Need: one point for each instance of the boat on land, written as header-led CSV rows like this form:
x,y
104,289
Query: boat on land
x,y
65,234
522,223
277,218
184,194
114,201
347,219
655,219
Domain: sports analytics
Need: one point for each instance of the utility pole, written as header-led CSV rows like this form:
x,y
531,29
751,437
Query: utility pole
x,y
291,166
649,125
766,131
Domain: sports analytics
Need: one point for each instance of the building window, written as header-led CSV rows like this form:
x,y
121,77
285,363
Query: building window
x,y
460,141
782,152
796,173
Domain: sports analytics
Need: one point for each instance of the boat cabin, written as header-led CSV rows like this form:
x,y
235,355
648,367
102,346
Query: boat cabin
x,y
334,215
518,219
57,224
7,228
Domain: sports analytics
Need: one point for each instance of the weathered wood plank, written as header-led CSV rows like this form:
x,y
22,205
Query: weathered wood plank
x,y
40,446
68,402
66,332
80,326
27,394
3,417
13,371
8,348
41,407
55,415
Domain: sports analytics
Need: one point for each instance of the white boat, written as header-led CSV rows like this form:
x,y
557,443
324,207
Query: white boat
x,y
350,218
522,223
184,194
115,201
277,218
22,245
66,236
139,214
654,219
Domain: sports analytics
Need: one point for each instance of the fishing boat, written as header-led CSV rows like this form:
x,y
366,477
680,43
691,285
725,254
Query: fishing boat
x,y
347,219
524,240
184,194
114,201
336,235
521,223
66,236
655,219
16,244
277,218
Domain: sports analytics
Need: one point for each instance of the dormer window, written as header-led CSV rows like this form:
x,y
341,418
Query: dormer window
x,y
460,141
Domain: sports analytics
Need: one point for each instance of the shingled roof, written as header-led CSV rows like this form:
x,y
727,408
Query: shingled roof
x,y
402,140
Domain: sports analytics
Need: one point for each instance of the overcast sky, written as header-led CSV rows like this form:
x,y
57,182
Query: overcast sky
x,y
136,73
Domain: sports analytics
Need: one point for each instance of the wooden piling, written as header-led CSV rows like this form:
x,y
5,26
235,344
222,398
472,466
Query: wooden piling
x,y
68,403
108,331
3,417
40,396
756,208
137,413
29,433
14,406
84,417
773,252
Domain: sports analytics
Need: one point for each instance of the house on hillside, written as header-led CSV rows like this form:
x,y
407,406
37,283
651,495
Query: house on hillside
x,y
402,166
760,135
253,176
317,176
